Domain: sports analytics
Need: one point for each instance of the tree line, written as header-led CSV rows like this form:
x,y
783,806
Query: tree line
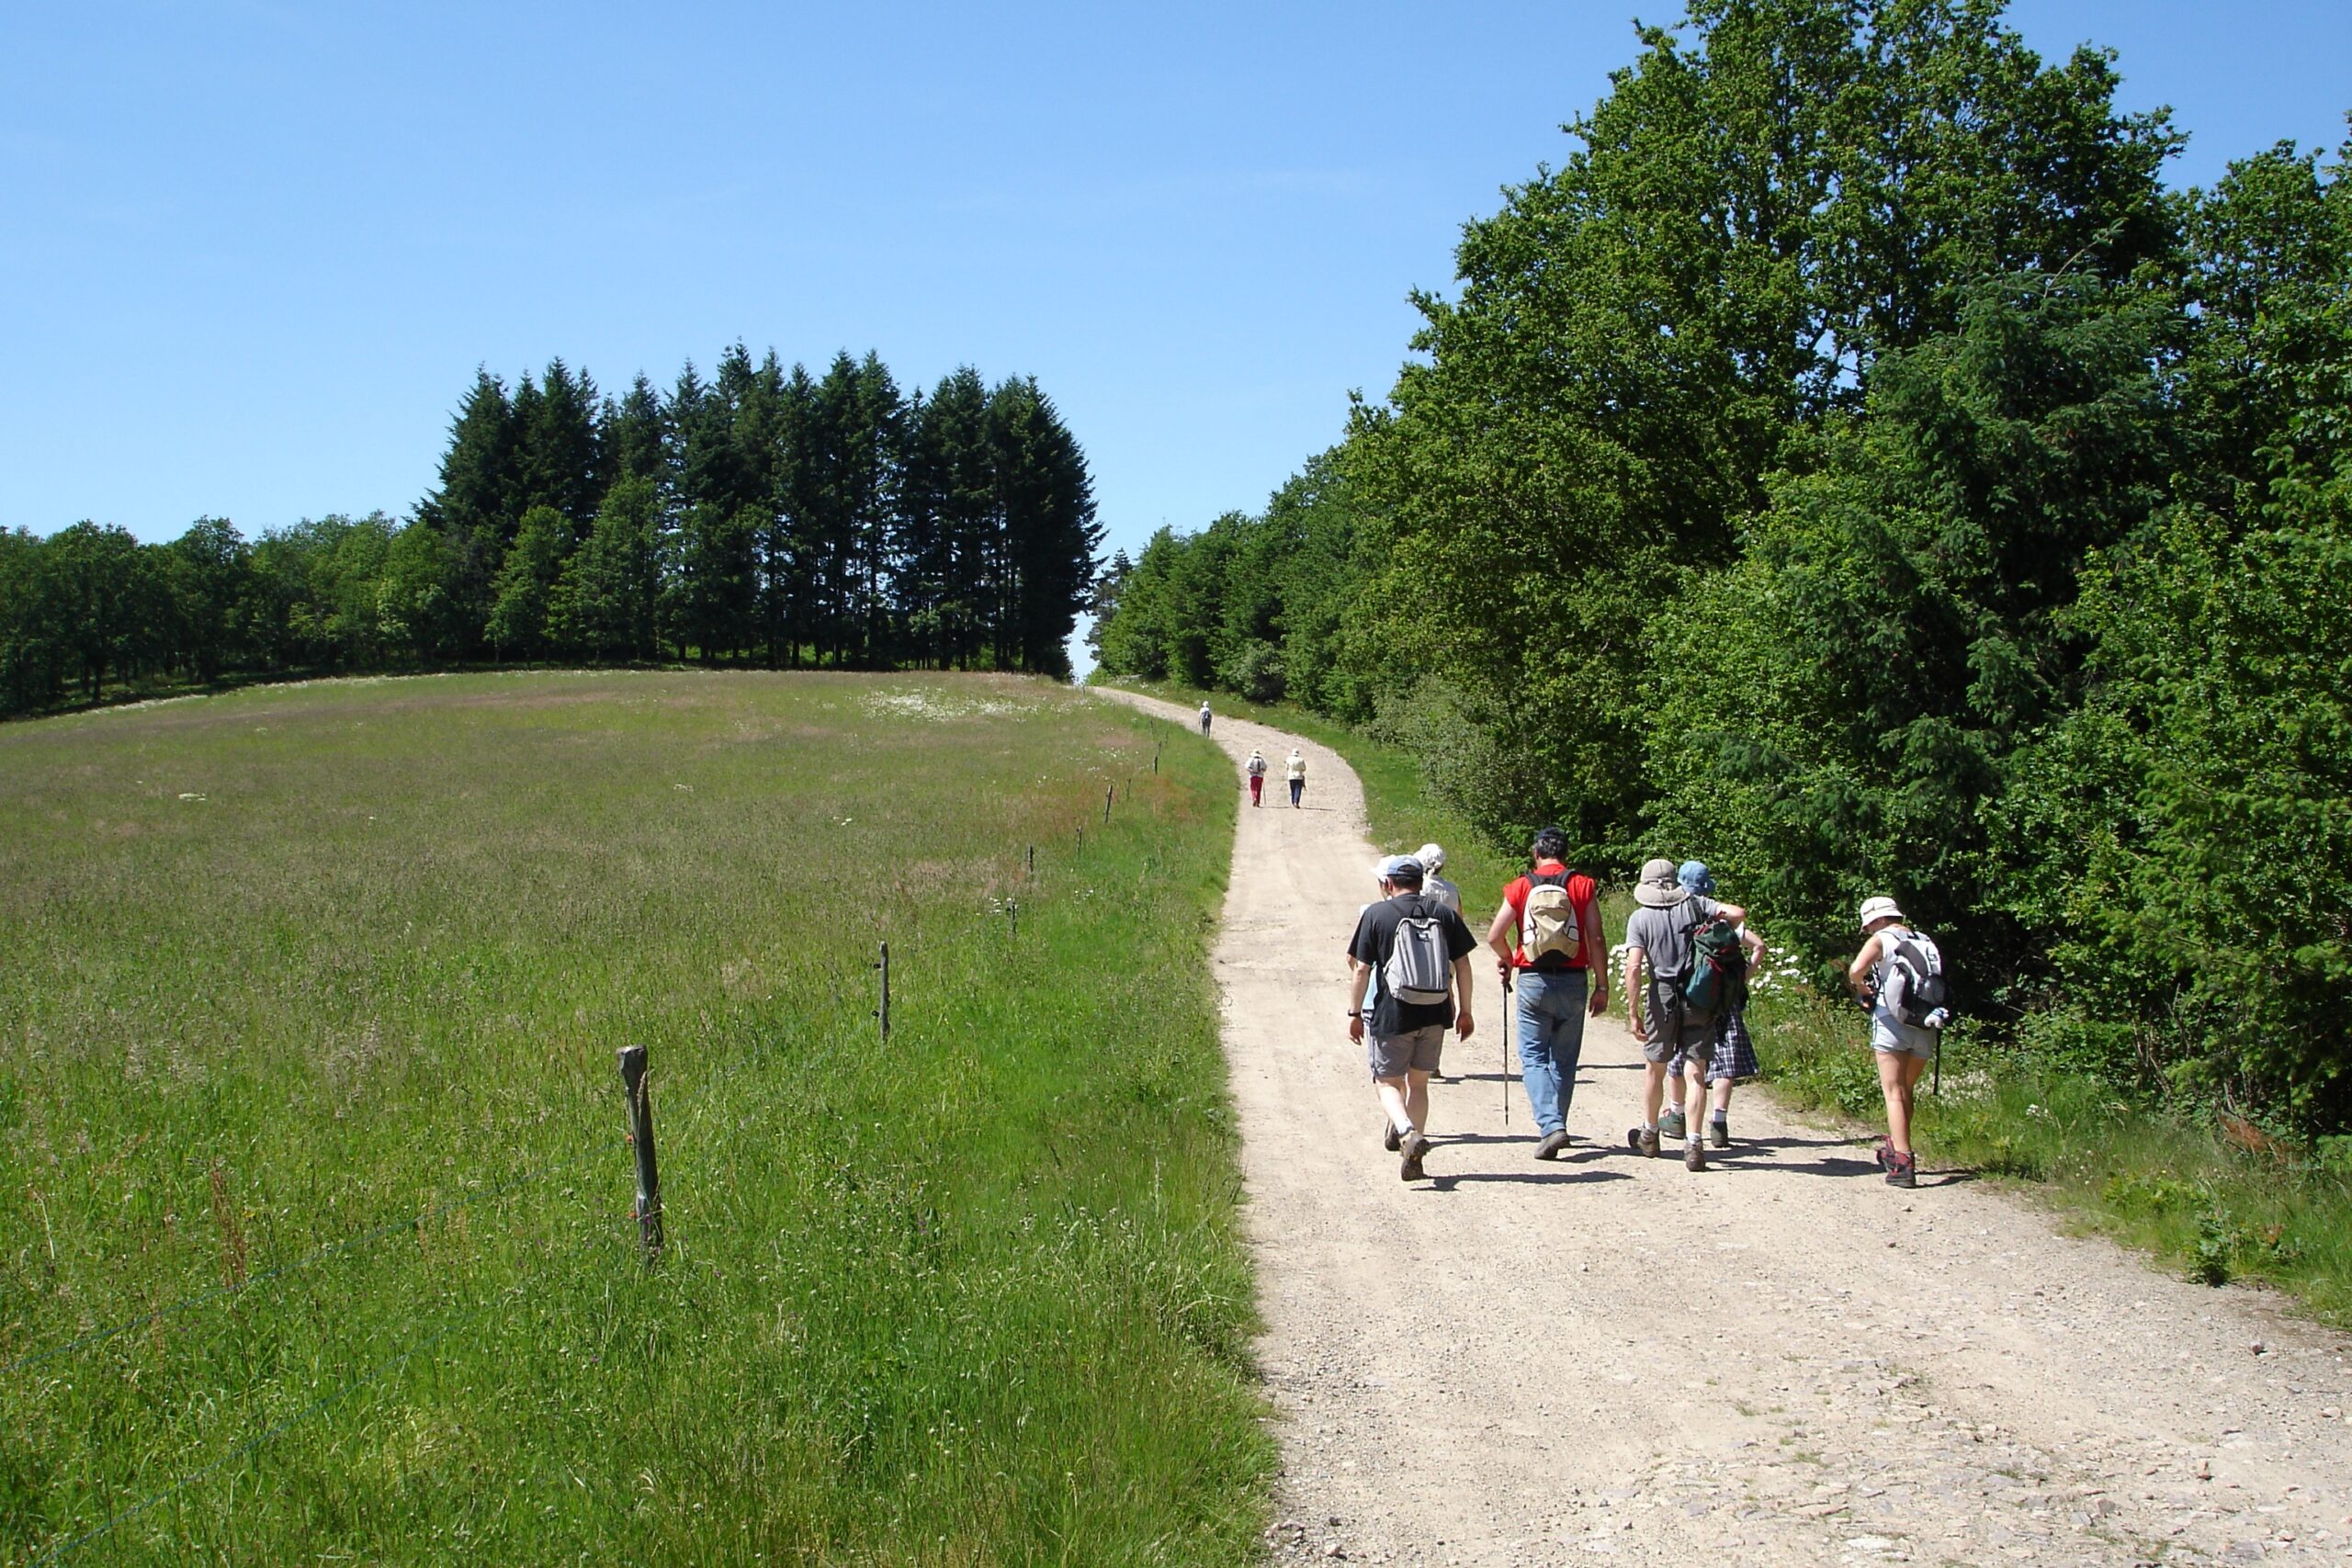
x,y
761,515
1851,466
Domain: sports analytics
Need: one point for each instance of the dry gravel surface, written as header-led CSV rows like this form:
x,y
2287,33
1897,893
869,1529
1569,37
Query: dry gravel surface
x,y
1780,1360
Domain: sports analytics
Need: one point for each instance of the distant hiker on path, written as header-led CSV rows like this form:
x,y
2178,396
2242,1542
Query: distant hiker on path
x,y
1732,1056
1205,715
1433,859
1547,939
1298,776
1673,934
1256,768
1887,976
1415,955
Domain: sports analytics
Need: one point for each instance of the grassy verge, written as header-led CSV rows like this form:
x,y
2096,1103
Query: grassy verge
x,y
2174,1189
316,1225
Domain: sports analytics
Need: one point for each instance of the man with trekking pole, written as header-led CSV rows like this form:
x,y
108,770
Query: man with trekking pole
x,y
1554,966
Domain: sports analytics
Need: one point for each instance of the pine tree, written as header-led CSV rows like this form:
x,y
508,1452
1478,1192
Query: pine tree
x,y
604,601
557,461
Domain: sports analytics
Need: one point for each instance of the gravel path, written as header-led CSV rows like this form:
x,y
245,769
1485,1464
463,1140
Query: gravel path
x,y
1777,1360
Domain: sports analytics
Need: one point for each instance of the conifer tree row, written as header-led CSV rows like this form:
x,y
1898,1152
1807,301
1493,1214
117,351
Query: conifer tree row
x,y
761,516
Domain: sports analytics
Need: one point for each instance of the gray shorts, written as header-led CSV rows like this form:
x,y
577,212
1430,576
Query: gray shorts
x,y
1415,1049
1895,1037
1684,1032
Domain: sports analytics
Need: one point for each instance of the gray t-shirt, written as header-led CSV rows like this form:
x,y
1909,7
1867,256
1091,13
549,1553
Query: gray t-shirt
x,y
1665,934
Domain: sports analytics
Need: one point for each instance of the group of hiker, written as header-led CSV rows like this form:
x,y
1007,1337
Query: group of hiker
x,y
1688,957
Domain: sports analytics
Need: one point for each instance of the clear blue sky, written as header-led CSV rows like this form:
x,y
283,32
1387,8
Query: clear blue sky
x,y
251,253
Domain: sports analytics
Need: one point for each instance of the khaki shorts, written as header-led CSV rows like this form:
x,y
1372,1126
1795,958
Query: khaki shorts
x,y
1415,1049
1694,1034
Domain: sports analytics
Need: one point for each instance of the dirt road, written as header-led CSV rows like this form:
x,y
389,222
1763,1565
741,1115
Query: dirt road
x,y
1777,1360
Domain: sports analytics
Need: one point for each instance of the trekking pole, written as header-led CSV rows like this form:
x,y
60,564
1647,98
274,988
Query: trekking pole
x,y
1507,1021
1937,1088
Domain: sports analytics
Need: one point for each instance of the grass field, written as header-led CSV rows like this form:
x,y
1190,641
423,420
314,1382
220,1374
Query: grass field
x,y
316,1208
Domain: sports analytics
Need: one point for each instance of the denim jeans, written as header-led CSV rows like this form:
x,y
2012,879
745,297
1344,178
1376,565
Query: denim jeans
x,y
1551,1040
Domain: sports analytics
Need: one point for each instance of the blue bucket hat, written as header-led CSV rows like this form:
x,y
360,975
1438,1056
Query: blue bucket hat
x,y
1694,875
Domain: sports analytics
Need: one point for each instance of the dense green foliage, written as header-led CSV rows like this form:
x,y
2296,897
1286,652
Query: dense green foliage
x,y
311,996
1852,467
764,516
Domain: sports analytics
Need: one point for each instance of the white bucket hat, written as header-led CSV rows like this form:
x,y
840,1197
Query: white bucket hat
x,y
1879,909
1657,889
1433,858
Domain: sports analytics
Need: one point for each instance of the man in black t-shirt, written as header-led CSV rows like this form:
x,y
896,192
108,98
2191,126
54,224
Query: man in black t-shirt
x,y
1406,1037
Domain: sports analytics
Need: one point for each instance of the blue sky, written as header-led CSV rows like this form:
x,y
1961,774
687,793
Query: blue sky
x,y
251,253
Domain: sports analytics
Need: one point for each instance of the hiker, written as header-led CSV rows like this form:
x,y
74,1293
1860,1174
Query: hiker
x,y
1547,940
1298,776
1204,715
1673,934
1732,1057
1433,859
1256,768
1903,1047
1415,953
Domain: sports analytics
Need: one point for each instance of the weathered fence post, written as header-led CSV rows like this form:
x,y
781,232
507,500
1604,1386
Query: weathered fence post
x,y
1155,759
882,1012
1110,792
1033,861
1081,836
641,1133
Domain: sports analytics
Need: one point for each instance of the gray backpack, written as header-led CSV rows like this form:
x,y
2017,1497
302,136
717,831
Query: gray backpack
x,y
1418,967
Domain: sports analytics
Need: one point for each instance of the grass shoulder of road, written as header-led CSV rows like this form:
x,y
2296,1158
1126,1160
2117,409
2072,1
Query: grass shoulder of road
x,y
319,1240
2169,1185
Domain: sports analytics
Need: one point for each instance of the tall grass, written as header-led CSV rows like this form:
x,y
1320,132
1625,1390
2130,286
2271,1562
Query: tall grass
x,y
309,1000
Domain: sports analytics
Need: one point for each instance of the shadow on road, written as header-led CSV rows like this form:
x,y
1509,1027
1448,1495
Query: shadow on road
x,y
1527,1178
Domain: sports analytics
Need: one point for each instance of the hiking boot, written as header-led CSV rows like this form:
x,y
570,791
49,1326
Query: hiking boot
x,y
1415,1146
1553,1146
1389,1136
1719,1133
1694,1155
1642,1140
1671,1126
1902,1170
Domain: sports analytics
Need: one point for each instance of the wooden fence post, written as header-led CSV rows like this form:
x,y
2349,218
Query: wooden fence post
x,y
1033,861
1110,792
882,1012
641,1133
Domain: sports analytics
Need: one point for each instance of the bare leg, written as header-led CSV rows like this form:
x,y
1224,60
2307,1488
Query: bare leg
x,y
1897,1073
1417,1097
1392,1093
1722,1096
1653,1092
1695,1098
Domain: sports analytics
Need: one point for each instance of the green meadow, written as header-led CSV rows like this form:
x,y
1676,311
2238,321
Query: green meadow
x,y
315,1228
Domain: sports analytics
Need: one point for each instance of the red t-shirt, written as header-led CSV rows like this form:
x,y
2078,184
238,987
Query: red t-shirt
x,y
1581,893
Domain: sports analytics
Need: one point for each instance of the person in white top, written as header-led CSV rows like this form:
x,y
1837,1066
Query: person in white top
x,y
1205,716
1298,776
1433,857
1903,1049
